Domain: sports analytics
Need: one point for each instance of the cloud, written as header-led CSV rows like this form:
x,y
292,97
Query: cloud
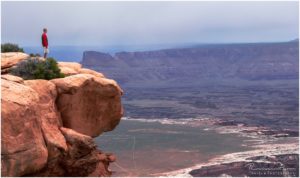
x,y
135,23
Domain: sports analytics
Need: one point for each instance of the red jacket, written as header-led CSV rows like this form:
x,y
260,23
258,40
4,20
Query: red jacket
x,y
44,40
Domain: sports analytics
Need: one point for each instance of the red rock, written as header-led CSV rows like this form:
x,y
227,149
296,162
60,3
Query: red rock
x,y
72,65
50,120
34,141
102,168
92,72
89,105
82,158
12,58
23,149
112,158
12,78
68,71
73,68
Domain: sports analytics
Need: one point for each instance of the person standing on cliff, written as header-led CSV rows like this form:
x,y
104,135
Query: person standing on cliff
x,y
45,42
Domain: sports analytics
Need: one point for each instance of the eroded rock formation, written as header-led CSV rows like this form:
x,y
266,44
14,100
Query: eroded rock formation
x,y
88,104
8,60
47,126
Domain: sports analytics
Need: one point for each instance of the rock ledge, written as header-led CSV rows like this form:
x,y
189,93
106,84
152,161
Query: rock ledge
x,y
48,126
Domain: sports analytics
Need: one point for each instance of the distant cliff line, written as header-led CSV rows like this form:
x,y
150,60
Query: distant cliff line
x,y
118,54
251,61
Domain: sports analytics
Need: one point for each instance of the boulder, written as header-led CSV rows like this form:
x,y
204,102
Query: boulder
x,y
92,72
83,157
80,144
72,65
12,78
12,58
89,105
73,68
68,71
50,121
23,149
102,168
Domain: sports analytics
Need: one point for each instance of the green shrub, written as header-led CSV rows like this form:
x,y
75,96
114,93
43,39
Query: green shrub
x,y
10,47
34,55
34,68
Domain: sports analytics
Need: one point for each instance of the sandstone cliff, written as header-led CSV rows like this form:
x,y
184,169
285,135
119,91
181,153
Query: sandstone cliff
x,y
48,126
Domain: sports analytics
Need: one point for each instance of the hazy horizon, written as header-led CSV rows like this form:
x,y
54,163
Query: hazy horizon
x,y
168,44
148,23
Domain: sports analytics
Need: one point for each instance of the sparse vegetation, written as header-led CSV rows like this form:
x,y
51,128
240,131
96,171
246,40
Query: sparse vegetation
x,y
10,47
34,68
34,55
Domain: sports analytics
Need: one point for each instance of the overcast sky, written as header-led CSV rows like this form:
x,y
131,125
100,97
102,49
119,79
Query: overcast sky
x,y
142,23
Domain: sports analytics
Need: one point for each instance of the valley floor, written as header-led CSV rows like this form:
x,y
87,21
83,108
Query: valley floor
x,y
181,147
206,131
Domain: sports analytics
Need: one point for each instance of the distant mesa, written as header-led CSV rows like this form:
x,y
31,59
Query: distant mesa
x,y
249,62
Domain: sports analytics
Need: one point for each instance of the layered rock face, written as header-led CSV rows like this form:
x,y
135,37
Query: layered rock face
x,y
48,126
229,62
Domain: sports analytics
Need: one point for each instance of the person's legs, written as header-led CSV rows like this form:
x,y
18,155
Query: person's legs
x,y
45,52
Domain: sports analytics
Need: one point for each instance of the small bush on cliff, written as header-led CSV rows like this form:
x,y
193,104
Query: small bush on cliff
x,y
10,47
34,55
34,68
